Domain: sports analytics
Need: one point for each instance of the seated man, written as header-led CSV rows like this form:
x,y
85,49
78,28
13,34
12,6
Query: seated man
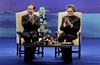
x,y
70,25
31,24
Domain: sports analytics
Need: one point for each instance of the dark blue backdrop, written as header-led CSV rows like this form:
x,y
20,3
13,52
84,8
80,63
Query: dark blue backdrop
x,y
86,6
90,17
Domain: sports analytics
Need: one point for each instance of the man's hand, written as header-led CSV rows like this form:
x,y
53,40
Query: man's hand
x,y
31,32
31,19
68,22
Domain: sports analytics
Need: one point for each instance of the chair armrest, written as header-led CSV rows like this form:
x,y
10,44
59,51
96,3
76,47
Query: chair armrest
x,y
19,33
19,37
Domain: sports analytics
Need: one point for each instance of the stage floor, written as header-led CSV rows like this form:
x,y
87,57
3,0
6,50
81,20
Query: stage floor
x,y
90,54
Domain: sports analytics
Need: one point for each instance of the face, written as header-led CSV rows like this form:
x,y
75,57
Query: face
x,y
70,11
30,10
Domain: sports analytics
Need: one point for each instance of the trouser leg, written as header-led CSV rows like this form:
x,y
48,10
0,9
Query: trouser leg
x,y
28,56
28,51
34,48
67,54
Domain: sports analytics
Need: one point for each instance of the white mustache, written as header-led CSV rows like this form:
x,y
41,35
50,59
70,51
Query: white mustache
x,y
70,15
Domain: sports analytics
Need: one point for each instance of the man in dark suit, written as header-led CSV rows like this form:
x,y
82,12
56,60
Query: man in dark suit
x,y
70,26
31,24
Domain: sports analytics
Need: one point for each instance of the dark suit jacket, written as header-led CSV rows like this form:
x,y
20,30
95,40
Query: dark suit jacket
x,y
67,30
28,26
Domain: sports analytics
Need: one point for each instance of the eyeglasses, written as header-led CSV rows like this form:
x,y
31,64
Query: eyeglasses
x,y
70,11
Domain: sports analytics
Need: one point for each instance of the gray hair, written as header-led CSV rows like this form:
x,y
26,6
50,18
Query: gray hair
x,y
71,6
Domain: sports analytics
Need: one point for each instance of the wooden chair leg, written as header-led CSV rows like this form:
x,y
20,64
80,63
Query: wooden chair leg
x,y
79,45
38,50
17,49
55,52
42,52
58,51
79,55
79,52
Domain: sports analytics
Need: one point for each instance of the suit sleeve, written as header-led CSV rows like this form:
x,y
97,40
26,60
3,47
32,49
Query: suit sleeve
x,y
36,24
76,25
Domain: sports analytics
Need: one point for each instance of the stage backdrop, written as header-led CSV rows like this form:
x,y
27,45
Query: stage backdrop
x,y
90,17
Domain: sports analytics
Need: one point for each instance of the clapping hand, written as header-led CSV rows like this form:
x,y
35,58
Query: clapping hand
x,y
68,22
31,32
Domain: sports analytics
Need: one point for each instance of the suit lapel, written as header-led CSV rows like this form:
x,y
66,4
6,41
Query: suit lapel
x,y
27,17
35,18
